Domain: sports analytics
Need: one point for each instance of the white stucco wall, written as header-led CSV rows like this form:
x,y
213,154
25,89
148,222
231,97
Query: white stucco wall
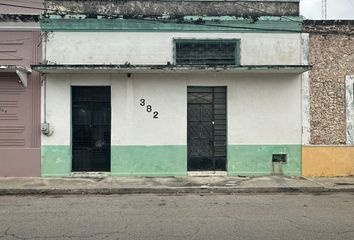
x,y
133,125
57,103
262,109
157,48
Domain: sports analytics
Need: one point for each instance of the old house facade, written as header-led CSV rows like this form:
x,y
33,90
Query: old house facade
x,y
20,47
165,89
328,147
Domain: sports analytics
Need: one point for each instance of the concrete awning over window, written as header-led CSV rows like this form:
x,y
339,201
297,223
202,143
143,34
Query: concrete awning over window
x,y
22,72
95,68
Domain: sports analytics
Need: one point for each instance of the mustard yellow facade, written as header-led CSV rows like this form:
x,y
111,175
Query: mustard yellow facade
x,y
327,161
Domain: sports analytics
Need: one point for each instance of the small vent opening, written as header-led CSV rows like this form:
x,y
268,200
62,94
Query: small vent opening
x,y
279,158
206,52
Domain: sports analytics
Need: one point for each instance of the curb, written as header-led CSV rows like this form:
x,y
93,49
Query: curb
x,y
172,190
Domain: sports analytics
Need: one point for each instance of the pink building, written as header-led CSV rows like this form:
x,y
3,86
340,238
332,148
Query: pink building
x,y
20,46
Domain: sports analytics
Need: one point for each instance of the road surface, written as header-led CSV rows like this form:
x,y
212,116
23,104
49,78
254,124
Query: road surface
x,y
264,217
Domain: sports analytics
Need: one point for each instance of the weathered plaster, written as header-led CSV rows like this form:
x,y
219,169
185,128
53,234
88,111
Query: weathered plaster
x,y
305,91
17,22
155,69
255,160
175,7
172,24
331,55
349,86
325,27
157,48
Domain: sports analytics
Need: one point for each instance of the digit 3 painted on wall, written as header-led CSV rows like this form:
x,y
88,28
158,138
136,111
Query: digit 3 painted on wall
x,y
149,108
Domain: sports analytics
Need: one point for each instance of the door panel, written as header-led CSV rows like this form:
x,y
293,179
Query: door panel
x,y
91,121
206,128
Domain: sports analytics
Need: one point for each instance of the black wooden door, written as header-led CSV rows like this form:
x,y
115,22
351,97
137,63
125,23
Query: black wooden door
x,y
206,128
91,133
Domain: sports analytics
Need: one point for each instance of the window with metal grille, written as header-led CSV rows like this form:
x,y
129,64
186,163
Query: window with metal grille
x,y
207,52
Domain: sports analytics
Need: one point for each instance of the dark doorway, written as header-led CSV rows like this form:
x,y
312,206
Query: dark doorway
x,y
91,134
206,128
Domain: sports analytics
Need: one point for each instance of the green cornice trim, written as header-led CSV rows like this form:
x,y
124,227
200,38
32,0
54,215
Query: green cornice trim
x,y
102,68
169,24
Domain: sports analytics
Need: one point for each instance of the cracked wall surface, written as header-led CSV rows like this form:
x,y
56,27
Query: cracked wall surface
x,y
332,57
177,7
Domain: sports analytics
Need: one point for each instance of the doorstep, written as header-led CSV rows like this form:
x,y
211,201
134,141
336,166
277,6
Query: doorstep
x,y
90,174
207,174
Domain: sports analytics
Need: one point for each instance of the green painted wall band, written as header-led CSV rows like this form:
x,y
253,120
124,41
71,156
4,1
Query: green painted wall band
x,y
152,25
255,160
56,160
171,160
125,160
168,160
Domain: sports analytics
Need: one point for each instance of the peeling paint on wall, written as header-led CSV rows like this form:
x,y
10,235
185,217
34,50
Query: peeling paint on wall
x,y
331,55
349,85
305,91
157,48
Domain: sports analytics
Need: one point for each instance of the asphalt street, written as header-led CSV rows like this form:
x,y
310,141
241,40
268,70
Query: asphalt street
x,y
147,216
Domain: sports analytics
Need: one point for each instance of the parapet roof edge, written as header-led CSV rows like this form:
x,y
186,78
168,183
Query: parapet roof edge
x,y
328,22
188,0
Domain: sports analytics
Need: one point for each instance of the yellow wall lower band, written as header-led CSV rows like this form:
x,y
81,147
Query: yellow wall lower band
x,y
327,161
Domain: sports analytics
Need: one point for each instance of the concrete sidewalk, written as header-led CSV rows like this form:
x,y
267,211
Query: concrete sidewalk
x,y
174,185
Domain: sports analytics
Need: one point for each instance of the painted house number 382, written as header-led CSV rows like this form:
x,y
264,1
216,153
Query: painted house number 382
x,y
149,108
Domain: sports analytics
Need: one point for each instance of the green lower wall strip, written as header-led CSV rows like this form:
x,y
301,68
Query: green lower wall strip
x,y
149,160
171,160
256,160
56,161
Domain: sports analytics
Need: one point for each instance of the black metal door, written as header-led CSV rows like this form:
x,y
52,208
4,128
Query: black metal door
x,y
206,128
91,134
